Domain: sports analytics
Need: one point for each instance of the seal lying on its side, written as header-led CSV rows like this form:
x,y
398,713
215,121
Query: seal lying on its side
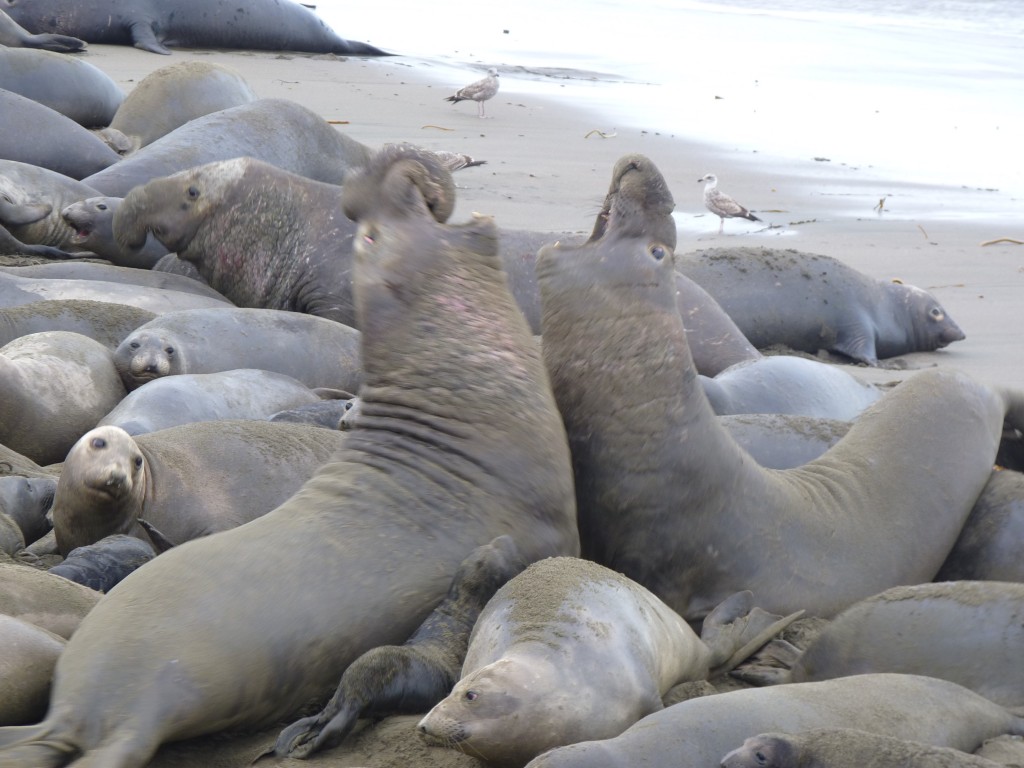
x,y
31,199
88,270
810,302
569,650
460,442
667,485
416,675
67,84
14,35
698,732
845,748
150,24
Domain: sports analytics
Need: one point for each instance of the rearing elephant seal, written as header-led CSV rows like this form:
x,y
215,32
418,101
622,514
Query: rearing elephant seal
x,y
668,484
460,442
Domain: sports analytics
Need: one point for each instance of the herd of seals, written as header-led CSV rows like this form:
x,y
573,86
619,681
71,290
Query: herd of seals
x,y
283,450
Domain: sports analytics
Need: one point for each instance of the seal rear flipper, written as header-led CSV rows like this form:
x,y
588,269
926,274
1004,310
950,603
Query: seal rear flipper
x,y
735,629
144,37
312,734
771,666
33,745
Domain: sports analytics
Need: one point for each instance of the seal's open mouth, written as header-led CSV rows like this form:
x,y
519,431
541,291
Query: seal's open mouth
x,y
83,230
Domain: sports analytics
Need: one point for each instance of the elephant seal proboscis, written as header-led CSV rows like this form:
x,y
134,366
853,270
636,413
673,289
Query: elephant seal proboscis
x,y
810,302
67,84
171,96
316,351
92,225
697,733
460,442
412,677
102,566
104,321
153,24
570,651
13,35
241,393
186,482
968,632
277,131
264,237
56,385
845,748
666,485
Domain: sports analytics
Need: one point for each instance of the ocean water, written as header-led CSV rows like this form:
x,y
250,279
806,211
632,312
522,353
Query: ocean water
x,y
928,91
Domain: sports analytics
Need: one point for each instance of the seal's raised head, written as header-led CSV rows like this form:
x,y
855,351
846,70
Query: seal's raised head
x,y
402,179
638,203
768,750
146,355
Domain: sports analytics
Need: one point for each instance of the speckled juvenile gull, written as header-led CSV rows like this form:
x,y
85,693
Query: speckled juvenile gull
x,y
721,204
480,91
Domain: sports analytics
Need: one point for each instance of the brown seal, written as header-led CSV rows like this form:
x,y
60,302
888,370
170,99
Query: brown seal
x,y
460,442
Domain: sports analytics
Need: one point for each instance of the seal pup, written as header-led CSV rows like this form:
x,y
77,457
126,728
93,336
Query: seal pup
x,y
460,442
697,733
92,225
846,748
101,566
416,675
668,484
720,204
479,91
569,651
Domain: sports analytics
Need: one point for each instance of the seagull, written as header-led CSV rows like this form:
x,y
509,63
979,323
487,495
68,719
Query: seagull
x,y
480,91
721,204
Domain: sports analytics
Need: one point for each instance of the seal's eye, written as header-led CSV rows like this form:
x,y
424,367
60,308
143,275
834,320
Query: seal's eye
x,y
138,462
169,350
937,313
101,207
657,252
98,442
134,345
761,759
471,695
193,193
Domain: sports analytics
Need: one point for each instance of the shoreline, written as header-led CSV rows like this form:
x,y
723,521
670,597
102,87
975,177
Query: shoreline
x,y
547,170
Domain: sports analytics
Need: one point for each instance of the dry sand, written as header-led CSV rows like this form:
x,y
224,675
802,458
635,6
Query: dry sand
x,y
548,169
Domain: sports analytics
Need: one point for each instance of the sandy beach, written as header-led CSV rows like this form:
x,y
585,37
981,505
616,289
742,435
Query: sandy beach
x,y
548,167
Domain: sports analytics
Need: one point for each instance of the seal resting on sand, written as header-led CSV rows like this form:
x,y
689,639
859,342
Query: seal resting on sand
x,y
569,650
668,485
14,35
845,748
460,442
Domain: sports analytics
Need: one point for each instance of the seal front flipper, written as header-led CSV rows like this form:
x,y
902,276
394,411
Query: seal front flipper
x,y
144,37
34,745
736,628
857,342
771,666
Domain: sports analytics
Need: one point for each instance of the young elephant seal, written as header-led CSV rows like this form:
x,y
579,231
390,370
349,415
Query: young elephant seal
x,y
460,442
412,677
846,748
569,650
668,486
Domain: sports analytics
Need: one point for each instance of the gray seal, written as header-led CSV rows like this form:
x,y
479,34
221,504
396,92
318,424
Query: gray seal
x,y
67,84
26,500
810,302
277,131
614,344
570,651
104,321
452,451
316,351
845,748
92,225
31,199
109,273
154,24
411,677
699,732
13,35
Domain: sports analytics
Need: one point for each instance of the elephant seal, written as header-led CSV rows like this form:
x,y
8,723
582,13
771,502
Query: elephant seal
x,y
35,134
968,632
13,35
276,131
31,199
154,24
316,351
92,225
241,393
789,384
56,385
264,237
44,599
845,748
329,414
12,540
102,566
103,321
988,548
169,97
460,442
818,537
28,655
698,732
69,85
87,270
416,675
569,651
810,302
26,500
782,440
186,482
